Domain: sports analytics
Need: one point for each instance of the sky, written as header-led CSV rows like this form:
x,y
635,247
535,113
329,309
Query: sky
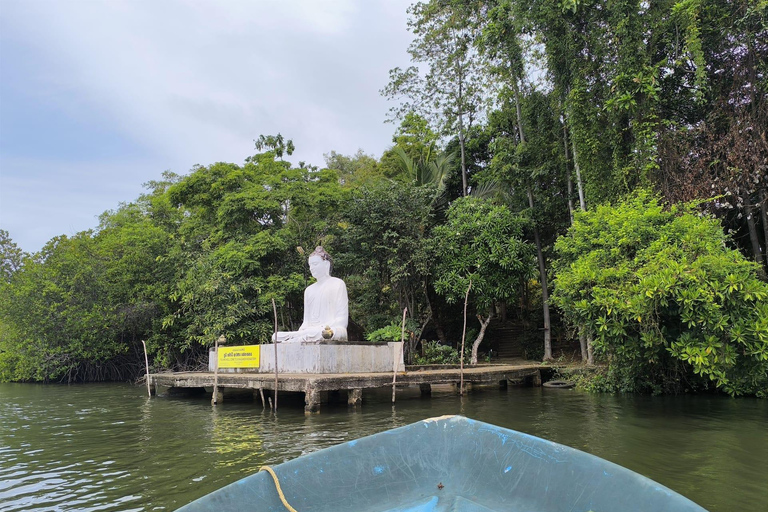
x,y
98,97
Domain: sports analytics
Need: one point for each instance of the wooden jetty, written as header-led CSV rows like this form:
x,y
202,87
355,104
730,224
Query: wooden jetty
x,y
314,386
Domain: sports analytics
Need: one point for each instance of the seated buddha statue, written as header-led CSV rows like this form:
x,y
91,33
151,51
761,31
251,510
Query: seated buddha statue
x,y
326,307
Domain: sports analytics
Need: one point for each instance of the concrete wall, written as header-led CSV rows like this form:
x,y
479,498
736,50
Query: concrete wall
x,y
311,358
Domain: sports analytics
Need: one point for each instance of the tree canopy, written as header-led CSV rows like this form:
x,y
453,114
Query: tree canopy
x,y
613,153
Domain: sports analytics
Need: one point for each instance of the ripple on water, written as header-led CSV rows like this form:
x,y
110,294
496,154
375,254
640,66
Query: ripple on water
x,y
109,448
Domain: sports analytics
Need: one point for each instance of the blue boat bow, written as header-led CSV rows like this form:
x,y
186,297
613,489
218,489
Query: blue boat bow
x,y
450,463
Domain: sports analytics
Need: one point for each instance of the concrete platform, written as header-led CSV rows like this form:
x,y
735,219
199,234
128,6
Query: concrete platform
x,y
314,384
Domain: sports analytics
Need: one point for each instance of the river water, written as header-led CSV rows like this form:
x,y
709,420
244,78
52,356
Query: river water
x,y
108,447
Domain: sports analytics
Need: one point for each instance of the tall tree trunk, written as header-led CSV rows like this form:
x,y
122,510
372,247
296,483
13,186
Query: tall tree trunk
x,y
585,341
518,110
568,174
764,220
749,210
579,184
544,291
461,136
463,159
582,202
481,335
590,352
524,299
539,252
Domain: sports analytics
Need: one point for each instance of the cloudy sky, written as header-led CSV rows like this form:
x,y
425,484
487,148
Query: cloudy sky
x,y
100,96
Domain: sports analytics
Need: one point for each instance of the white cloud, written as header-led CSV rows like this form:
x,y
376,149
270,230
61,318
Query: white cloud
x,y
196,82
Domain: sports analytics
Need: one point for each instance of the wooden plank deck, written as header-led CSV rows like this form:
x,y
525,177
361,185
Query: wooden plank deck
x,y
313,385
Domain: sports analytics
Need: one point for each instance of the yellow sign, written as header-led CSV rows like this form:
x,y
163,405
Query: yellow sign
x,y
246,356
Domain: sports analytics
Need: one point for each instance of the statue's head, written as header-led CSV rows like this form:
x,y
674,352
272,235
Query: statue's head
x,y
319,255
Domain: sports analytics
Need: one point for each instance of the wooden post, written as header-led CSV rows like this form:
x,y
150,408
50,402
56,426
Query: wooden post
x,y
215,398
274,309
396,356
463,336
146,363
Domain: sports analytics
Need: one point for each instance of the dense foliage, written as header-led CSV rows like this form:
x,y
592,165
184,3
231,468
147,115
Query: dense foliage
x,y
480,251
670,305
550,116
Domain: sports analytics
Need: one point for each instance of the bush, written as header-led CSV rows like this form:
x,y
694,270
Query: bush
x,y
435,353
392,332
671,307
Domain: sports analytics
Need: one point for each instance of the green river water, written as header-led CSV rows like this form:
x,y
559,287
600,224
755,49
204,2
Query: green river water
x,y
108,447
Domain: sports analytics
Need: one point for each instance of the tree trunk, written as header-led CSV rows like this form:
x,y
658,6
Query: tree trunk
x,y
539,252
414,340
749,210
590,353
461,137
519,112
423,326
586,355
438,325
582,202
764,220
481,335
583,342
568,174
463,160
544,291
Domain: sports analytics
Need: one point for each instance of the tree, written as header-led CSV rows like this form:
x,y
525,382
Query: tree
x,y
416,140
276,144
12,256
451,92
356,170
382,251
671,306
526,174
480,243
67,326
78,309
722,151
239,237
622,71
196,257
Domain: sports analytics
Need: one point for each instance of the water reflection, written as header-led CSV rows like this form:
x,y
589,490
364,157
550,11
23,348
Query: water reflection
x,y
109,447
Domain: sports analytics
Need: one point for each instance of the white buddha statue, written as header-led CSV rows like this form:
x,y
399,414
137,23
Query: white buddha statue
x,y
326,307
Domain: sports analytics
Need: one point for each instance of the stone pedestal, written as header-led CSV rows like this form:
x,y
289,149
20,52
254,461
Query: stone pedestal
x,y
324,358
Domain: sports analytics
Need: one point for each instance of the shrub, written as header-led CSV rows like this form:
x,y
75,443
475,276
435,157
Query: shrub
x,y
435,353
391,332
671,307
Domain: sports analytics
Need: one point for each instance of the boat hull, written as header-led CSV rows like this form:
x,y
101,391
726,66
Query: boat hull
x,y
450,463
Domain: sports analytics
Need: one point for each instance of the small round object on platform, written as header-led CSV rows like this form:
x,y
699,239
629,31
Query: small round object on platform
x,y
559,384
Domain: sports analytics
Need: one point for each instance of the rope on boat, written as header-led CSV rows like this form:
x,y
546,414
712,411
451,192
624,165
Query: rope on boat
x,y
279,489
